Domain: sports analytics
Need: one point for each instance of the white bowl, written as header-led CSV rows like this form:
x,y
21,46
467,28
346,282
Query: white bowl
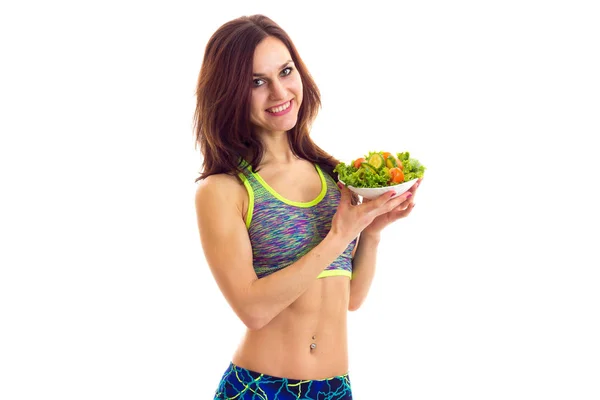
x,y
372,193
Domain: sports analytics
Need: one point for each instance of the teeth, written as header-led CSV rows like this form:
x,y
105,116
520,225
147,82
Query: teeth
x,y
280,108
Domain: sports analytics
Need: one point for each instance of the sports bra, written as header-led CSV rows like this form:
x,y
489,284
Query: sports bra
x,y
282,231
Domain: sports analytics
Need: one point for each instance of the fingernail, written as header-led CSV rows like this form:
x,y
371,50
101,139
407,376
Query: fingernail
x,y
409,195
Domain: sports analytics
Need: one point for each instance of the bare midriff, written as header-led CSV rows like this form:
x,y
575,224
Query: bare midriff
x,y
307,340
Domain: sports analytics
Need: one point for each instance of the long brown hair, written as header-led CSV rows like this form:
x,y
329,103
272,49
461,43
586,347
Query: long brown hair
x,y
222,118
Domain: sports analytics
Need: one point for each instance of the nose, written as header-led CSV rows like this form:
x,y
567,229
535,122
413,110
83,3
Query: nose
x,y
278,91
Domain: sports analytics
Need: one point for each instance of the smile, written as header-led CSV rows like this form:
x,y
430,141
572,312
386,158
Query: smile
x,y
280,109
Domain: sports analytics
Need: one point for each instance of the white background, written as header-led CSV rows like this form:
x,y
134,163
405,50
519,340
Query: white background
x,y
489,290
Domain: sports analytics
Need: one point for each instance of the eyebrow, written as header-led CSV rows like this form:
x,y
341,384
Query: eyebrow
x,y
259,75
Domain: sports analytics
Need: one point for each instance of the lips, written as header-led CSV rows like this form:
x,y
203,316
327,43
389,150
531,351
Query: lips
x,y
279,108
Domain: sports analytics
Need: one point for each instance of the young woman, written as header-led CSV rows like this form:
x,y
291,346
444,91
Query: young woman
x,y
278,231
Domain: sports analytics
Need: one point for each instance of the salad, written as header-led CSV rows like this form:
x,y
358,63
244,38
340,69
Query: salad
x,y
380,169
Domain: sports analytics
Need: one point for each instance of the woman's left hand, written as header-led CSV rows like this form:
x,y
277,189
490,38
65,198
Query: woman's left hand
x,y
386,219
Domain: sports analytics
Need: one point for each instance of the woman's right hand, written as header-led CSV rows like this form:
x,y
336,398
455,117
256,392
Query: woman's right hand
x,y
349,220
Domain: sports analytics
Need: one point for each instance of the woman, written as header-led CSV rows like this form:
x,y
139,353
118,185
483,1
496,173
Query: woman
x,y
280,238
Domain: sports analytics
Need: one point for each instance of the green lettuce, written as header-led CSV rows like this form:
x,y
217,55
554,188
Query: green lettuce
x,y
412,168
368,177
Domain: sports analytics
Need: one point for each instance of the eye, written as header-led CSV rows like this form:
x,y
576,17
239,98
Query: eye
x,y
258,82
286,71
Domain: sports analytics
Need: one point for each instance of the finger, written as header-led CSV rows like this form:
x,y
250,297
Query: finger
x,y
346,197
405,205
404,200
400,212
390,203
379,201
414,187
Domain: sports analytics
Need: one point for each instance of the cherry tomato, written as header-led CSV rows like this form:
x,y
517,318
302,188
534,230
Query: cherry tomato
x,y
358,162
396,175
385,155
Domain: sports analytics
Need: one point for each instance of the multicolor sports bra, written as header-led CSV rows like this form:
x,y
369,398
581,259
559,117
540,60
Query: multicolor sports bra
x,y
282,231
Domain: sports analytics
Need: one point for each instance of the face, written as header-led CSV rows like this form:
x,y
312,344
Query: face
x,y
276,88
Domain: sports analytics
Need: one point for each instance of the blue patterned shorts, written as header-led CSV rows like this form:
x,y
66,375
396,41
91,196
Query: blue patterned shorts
x,y
242,384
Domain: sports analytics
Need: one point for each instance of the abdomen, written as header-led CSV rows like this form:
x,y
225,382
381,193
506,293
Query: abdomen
x,y
283,347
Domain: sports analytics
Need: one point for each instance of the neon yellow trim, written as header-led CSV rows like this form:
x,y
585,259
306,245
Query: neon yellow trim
x,y
335,272
296,203
250,199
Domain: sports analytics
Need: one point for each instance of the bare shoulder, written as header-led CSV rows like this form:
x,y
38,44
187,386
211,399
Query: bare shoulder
x,y
224,238
220,190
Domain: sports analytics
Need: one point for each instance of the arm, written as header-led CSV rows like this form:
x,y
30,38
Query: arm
x,y
363,269
365,257
228,252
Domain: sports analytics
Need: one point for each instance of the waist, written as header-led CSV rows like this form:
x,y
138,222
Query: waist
x,y
307,340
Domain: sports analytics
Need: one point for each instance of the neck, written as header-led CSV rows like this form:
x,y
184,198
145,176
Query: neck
x,y
277,149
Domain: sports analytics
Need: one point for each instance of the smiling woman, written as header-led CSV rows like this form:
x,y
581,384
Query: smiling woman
x,y
251,71
277,94
281,244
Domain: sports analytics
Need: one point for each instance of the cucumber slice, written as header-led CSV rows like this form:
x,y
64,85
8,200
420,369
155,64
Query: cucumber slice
x,y
376,160
368,165
391,162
